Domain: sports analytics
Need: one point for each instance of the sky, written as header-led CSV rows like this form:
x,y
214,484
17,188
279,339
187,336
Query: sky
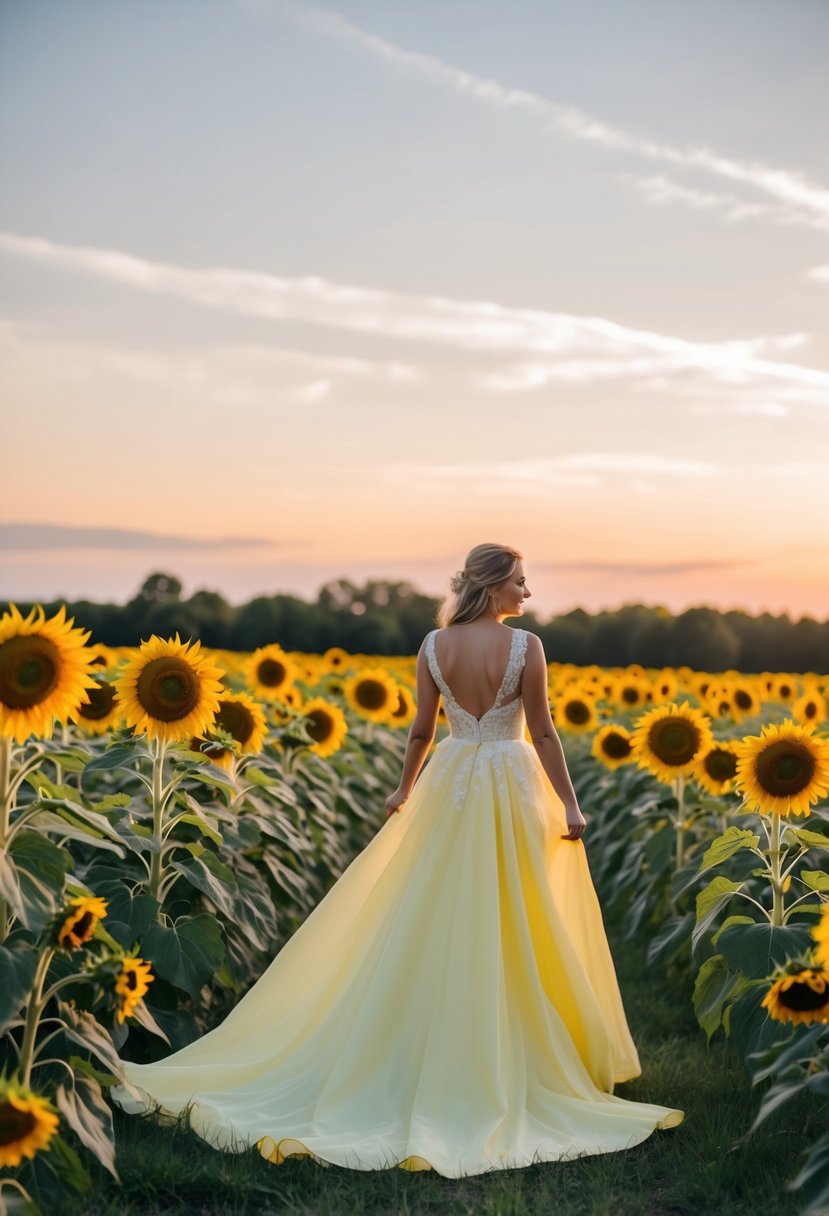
x,y
292,293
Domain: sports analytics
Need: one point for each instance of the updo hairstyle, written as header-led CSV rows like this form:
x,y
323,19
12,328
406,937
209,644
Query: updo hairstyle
x,y
486,567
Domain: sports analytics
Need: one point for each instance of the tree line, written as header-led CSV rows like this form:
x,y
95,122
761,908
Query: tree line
x,y
391,618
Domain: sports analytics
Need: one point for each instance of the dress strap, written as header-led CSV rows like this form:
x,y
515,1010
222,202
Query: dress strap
x,y
431,659
518,655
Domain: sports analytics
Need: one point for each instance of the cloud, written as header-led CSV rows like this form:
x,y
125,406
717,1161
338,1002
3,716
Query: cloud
x,y
809,201
603,347
28,537
659,191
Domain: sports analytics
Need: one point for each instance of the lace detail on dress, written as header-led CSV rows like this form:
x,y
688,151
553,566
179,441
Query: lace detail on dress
x,y
500,722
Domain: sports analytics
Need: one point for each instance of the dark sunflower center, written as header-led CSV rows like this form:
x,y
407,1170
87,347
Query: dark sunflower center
x,y
131,980
743,699
785,691
371,694
616,746
15,1124
271,673
674,740
802,997
785,768
101,700
810,710
84,926
168,689
320,725
630,695
577,712
29,670
720,765
236,719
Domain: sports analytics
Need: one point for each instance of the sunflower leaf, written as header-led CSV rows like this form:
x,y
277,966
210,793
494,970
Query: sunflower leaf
x,y
818,880
129,913
210,876
87,1113
32,873
758,948
17,966
82,1028
62,825
806,837
813,1179
186,953
122,755
716,983
725,846
709,902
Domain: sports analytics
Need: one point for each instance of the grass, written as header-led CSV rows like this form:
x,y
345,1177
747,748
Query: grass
x,y
695,1168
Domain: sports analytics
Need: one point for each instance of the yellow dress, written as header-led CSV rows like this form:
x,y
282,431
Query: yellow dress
x,y
451,1003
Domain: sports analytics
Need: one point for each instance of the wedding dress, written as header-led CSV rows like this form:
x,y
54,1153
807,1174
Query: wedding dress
x,y
451,1002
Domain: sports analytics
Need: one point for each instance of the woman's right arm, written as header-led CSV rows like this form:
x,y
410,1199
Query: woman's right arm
x,y
544,735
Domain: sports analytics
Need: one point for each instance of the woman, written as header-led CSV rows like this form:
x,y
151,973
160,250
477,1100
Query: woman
x,y
451,1003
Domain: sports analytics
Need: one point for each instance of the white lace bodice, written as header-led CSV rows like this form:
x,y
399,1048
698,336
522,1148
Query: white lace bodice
x,y
501,721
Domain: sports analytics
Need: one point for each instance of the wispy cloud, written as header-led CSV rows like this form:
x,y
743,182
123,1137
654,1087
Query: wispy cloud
x,y
565,346
808,202
660,191
26,537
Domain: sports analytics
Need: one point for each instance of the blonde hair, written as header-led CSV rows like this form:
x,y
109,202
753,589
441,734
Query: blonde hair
x,y
486,566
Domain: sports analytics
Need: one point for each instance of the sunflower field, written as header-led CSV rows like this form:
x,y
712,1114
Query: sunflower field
x,y
170,815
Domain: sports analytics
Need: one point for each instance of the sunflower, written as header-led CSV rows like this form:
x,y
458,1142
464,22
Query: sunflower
x,y
169,690
821,935
243,718
270,672
716,770
100,711
745,702
783,688
575,711
336,658
801,997
27,1123
131,985
629,691
612,746
44,671
372,693
670,739
785,768
666,684
406,709
811,707
326,725
79,922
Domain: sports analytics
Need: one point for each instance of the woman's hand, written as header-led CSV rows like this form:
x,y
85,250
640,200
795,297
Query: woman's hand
x,y
395,801
576,823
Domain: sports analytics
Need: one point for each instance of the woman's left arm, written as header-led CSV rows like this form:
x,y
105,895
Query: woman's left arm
x,y
421,733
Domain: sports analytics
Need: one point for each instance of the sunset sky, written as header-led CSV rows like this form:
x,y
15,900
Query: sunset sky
x,y
290,293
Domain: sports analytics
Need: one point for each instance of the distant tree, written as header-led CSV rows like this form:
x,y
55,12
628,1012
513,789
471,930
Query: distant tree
x,y
701,639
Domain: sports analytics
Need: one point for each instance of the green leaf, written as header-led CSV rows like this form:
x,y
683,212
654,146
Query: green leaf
x,y
82,1028
129,913
61,824
68,1166
187,953
715,984
17,967
818,880
673,934
142,1015
212,877
813,1178
806,837
122,755
731,920
87,1113
709,902
758,948
32,873
725,846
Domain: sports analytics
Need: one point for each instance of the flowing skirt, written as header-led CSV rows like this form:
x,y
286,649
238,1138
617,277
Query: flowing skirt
x,y
450,1004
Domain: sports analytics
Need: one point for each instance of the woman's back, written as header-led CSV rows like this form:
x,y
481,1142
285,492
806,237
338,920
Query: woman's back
x,y
473,658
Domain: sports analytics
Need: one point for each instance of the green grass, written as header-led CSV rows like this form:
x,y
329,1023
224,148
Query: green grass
x,y
695,1168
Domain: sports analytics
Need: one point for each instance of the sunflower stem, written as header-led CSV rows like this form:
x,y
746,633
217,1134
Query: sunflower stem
x,y
156,866
33,1012
6,795
679,790
775,878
